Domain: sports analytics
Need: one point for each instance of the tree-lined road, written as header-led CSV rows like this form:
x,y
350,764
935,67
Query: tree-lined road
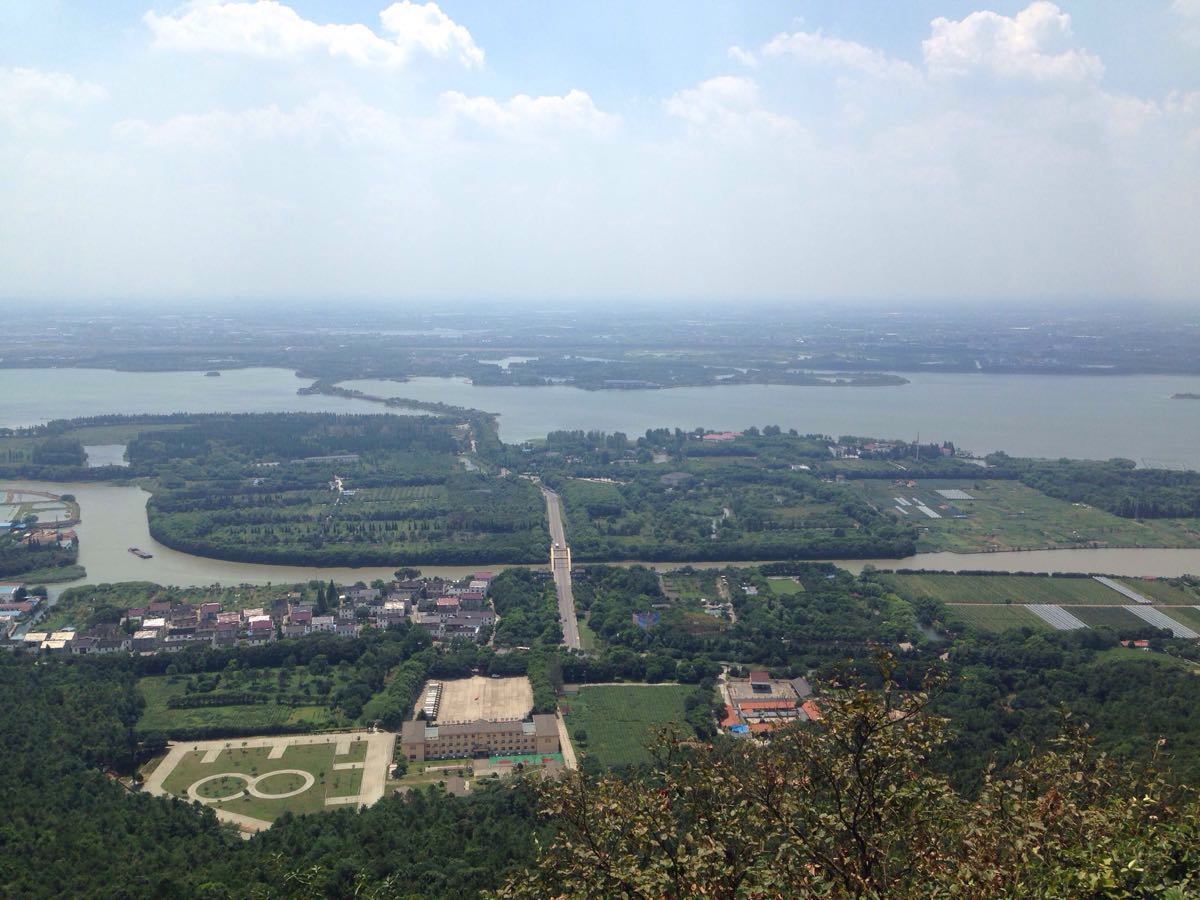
x,y
560,567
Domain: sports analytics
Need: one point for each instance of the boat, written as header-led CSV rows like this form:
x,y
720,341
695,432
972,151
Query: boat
x,y
213,374
140,554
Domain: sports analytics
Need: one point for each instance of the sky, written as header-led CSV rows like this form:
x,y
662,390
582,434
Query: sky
x,y
618,152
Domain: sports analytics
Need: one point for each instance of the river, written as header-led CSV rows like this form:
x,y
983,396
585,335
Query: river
x,y
114,519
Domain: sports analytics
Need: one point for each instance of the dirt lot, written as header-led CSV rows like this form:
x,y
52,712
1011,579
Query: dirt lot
x,y
467,699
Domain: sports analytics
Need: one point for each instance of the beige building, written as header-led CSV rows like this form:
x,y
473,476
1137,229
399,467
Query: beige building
x,y
458,740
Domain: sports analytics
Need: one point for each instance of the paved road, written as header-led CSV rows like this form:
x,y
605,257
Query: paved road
x,y
560,566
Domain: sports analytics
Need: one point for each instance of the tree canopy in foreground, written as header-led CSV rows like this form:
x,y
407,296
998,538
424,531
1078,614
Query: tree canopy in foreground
x,y
853,806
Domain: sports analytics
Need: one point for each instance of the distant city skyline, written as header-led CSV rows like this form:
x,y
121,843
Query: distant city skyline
x,y
776,152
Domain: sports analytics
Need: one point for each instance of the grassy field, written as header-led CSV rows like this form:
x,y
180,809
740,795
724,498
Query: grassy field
x,y
619,721
317,760
1004,589
1007,515
678,586
997,618
785,586
298,684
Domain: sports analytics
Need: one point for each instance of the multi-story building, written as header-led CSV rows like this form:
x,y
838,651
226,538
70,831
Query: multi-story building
x,y
463,740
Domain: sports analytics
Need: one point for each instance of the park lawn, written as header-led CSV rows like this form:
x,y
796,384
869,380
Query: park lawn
x,y
316,759
1162,591
587,637
994,619
620,721
317,714
1008,515
950,588
1116,617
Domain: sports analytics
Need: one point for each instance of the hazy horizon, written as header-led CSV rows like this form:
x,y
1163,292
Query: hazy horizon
x,y
462,154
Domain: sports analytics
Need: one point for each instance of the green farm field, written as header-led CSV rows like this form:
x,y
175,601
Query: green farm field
x,y
995,619
1161,591
620,721
1004,589
1115,617
1007,515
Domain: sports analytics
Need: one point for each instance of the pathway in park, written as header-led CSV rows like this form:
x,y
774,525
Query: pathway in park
x,y
560,567
564,743
380,747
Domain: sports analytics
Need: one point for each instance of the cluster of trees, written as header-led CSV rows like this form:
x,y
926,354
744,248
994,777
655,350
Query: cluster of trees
x,y
527,607
1115,485
17,559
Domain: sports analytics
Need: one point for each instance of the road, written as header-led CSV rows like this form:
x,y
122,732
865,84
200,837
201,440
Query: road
x,y
560,566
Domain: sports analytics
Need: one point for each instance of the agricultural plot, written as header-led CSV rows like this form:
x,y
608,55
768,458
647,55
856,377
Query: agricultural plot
x,y
1185,615
723,508
1161,591
1159,619
1008,515
995,619
1056,617
252,782
1003,589
1118,618
613,724
696,586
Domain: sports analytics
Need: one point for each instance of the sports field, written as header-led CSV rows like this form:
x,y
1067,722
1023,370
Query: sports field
x,y
253,781
468,699
1005,589
618,721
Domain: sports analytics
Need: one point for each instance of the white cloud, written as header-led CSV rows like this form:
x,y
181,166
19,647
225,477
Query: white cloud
x,y
744,57
816,49
1189,11
33,98
340,117
271,30
524,116
727,106
1033,45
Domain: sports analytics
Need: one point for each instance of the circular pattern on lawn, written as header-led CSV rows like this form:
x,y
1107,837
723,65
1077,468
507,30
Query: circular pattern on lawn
x,y
194,791
307,777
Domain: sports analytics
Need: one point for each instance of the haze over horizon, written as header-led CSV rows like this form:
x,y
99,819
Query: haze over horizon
x,y
784,152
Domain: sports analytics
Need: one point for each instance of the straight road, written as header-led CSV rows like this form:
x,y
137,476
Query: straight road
x,y
560,567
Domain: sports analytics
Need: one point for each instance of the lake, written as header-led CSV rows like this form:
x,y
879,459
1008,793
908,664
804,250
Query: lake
x,y
1086,417
36,396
